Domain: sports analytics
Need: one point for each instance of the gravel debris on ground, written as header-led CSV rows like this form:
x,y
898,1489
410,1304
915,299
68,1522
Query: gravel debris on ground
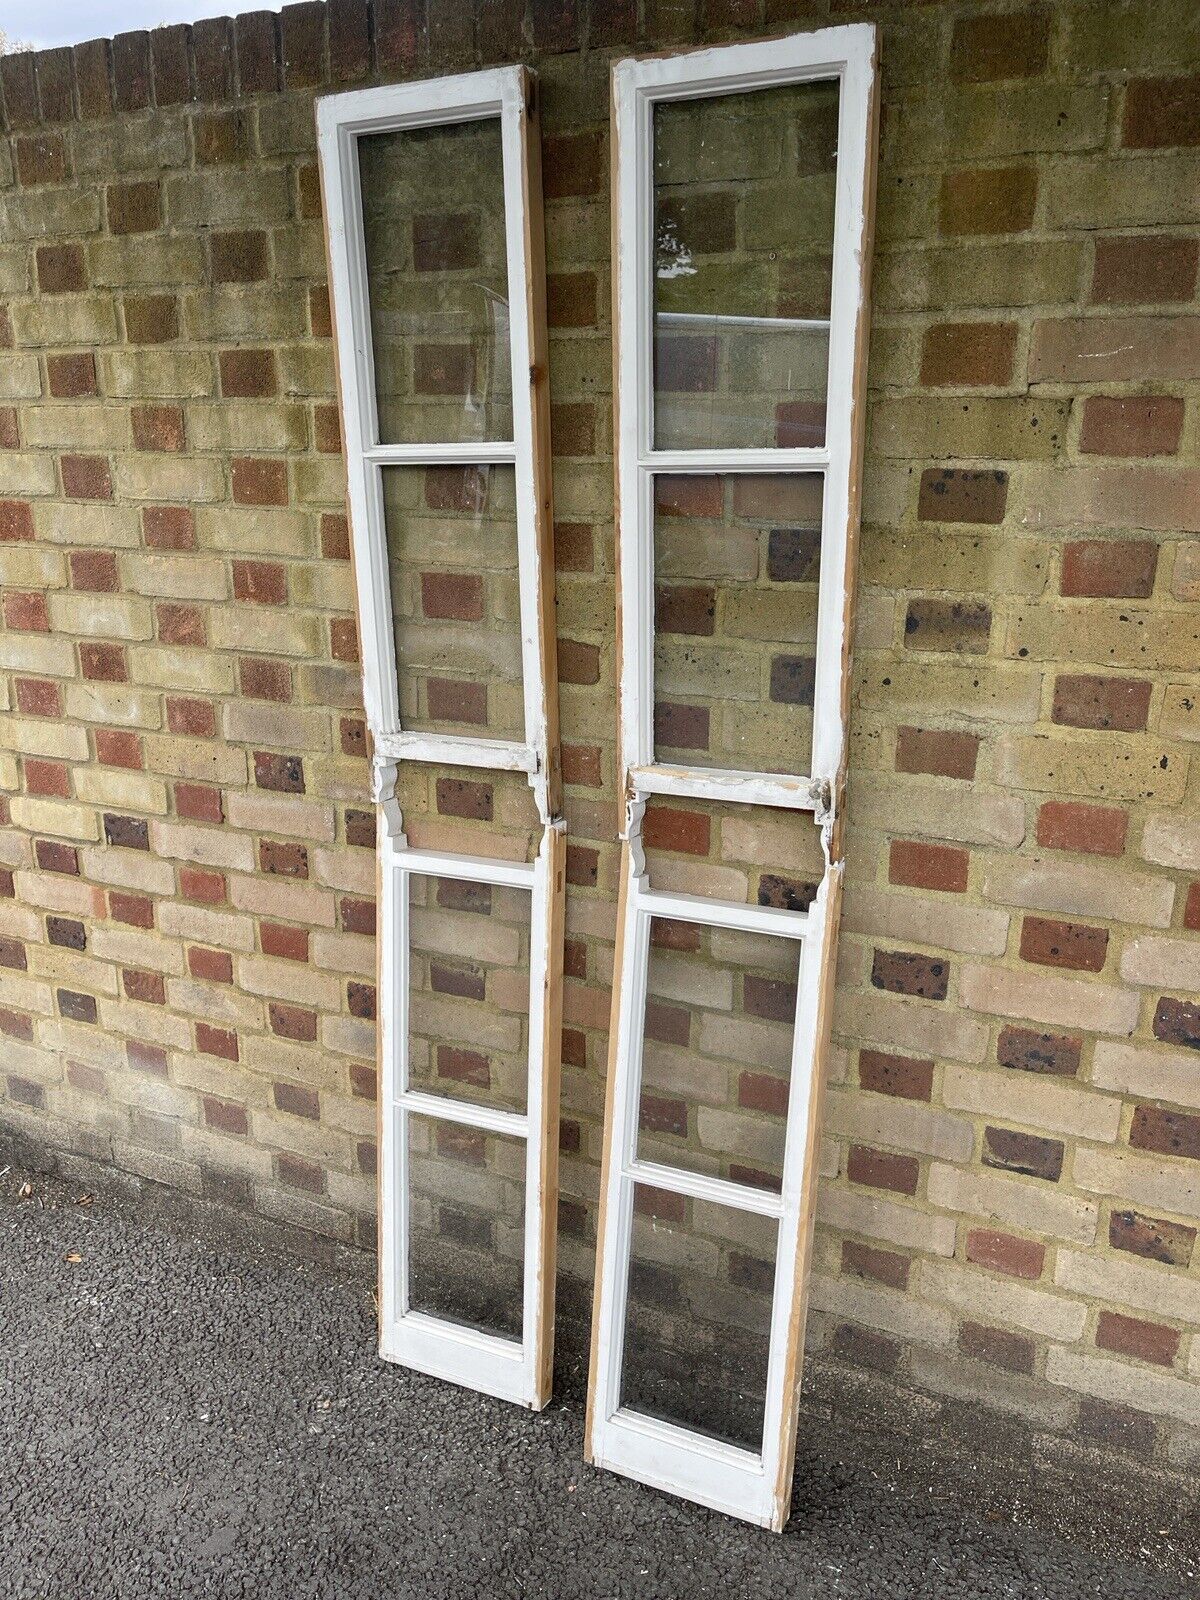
x,y
191,1405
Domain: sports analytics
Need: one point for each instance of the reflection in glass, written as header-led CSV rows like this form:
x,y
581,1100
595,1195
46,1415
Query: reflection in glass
x,y
717,1051
437,273
452,561
466,1239
736,567
698,1316
468,988
743,237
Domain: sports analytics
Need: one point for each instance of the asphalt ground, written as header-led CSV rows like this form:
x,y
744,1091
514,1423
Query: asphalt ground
x,y
191,1405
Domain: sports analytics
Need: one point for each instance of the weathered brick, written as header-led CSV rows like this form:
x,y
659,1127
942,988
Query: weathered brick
x,y
1072,825
1052,943
952,495
1138,425
1177,1021
1028,1153
903,1076
878,1169
956,355
928,866
1160,112
987,200
1005,1252
1133,1336
1145,269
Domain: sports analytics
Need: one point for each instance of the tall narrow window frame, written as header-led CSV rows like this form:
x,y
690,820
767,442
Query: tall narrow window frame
x,y
514,1369
682,1459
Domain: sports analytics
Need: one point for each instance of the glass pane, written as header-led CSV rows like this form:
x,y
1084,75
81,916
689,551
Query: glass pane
x,y
717,1051
456,607
698,1316
437,277
743,239
468,989
466,1229
736,565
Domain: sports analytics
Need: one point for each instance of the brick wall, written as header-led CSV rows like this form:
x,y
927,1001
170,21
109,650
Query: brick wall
x,y
1011,1168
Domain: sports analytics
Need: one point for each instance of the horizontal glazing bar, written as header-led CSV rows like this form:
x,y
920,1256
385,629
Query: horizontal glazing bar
x,y
453,750
699,1186
472,869
719,914
467,453
807,459
744,788
467,1112
723,319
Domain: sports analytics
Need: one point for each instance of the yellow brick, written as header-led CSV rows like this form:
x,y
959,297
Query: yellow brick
x,y
56,817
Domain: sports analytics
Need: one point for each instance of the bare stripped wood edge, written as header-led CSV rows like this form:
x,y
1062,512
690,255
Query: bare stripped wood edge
x,y
606,1155
539,386
556,868
795,1345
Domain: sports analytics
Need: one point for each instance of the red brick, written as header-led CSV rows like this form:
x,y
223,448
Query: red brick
x,y
148,987
16,521
289,944
282,860
950,494
1086,701
335,536
10,439
292,1022
137,910
932,750
963,355
248,374
169,528
261,583
1028,1153
1133,425
18,75
396,33
46,777
86,478
906,972
169,58
451,700
118,747
787,894
151,318
458,797
575,958
157,427
1167,1133
761,1091
452,595
15,1025
327,430
1161,112
670,828
678,495
294,1098
1177,1022
51,856
257,52
997,1346
25,1092
265,680
199,802
127,833
879,1169
678,727
1133,1336
26,613
1109,569
793,680
181,625
71,377
282,773
60,269
76,1007
343,639
297,1172
1092,830
239,257
224,1115
1004,1252
1191,910
571,299
131,71
987,200
196,718
39,697
1027,1050
799,423
41,158
212,966
685,608
104,663
583,866
928,866
1013,44
685,363
202,884
132,207
581,765
145,1057
578,662
356,916
1156,1238
94,571
443,369
212,53
881,1072
1145,269
259,482
868,1261
12,954
465,983
362,1000
352,733
573,164
573,428
212,1041
320,317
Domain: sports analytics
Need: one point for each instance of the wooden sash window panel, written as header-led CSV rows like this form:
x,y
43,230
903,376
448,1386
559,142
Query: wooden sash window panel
x,y
744,181
432,198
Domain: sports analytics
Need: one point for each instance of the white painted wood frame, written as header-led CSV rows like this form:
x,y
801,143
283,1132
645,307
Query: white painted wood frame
x,y
516,1371
754,1486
